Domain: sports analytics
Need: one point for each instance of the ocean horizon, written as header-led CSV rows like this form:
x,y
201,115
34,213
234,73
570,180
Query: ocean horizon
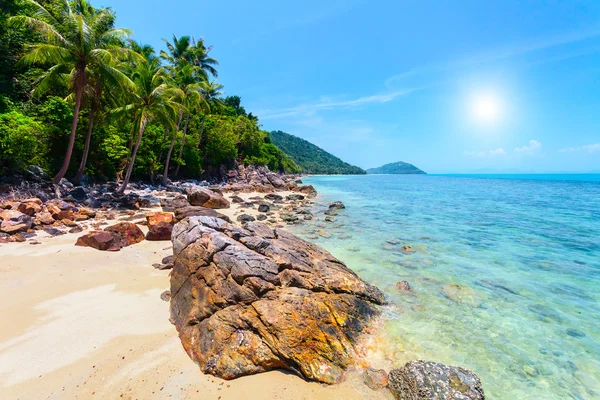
x,y
504,272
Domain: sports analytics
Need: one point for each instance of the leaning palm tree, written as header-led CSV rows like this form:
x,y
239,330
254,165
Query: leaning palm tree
x,y
74,42
152,99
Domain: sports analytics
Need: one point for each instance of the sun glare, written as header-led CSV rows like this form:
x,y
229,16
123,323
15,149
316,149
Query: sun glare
x,y
486,108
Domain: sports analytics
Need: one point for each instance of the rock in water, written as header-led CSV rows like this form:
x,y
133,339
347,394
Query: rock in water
x,y
252,299
426,380
206,198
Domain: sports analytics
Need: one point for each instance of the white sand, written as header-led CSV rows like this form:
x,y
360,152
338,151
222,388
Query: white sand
x,y
80,323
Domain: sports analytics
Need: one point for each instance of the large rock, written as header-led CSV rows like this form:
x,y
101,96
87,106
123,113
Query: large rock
x,y
160,231
128,232
100,240
197,211
206,198
154,218
426,380
30,206
170,205
14,221
252,299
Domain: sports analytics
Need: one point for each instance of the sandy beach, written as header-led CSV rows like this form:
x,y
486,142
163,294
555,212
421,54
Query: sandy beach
x,y
80,323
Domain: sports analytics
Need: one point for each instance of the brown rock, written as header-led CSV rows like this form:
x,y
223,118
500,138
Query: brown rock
x,y
30,207
127,232
404,286
69,223
170,205
88,212
375,378
206,198
63,214
14,221
44,218
100,240
253,299
160,231
309,190
153,218
80,217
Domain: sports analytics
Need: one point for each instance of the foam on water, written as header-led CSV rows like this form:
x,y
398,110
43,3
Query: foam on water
x,y
506,274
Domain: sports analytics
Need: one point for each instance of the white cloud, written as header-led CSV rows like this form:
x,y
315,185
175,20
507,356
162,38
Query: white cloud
x,y
327,103
531,148
590,148
481,154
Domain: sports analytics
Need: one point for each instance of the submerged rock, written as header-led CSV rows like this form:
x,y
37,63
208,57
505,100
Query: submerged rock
x,y
404,286
375,378
426,380
253,299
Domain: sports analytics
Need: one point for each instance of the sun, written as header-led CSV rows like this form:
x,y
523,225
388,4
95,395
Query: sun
x,y
486,108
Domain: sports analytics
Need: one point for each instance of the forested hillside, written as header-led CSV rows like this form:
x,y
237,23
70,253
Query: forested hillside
x,y
312,159
79,97
397,168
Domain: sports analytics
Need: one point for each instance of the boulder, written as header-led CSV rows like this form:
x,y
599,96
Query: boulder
x,y
264,208
36,174
336,205
100,240
308,190
295,197
128,233
273,196
160,231
170,205
30,207
252,299
44,218
78,193
14,221
236,199
191,211
154,218
206,198
426,380
246,218
261,217
276,181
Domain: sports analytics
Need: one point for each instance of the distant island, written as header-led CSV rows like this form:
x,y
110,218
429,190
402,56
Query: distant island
x,y
399,167
312,159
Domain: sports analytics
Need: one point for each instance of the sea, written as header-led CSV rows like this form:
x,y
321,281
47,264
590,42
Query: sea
x,y
504,271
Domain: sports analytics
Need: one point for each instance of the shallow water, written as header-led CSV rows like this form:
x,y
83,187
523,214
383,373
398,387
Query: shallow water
x,y
505,273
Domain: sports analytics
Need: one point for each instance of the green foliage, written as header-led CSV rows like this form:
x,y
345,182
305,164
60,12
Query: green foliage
x,y
312,159
21,142
126,90
399,167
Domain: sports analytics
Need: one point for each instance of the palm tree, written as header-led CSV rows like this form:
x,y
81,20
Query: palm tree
x,y
152,99
187,79
212,93
201,58
74,43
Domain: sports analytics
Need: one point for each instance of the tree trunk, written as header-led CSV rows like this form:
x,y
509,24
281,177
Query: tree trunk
x,y
185,127
67,160
132,133
135,149
200,138
162,144
166,173
86,149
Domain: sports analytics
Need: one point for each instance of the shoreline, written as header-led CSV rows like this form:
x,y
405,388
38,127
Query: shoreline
x,y
73,337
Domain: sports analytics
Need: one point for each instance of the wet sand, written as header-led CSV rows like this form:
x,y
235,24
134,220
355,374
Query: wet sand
x,y
78,323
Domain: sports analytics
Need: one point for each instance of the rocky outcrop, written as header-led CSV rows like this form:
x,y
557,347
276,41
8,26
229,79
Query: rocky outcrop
x,y
199,196
426,380
252,299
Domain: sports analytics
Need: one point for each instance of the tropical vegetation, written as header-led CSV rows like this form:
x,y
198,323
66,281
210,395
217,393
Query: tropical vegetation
x,y
312,159
81,99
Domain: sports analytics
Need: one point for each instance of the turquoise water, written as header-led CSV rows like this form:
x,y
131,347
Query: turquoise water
x,y
505,273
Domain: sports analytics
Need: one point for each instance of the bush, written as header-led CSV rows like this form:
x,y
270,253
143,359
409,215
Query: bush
x,y
22,142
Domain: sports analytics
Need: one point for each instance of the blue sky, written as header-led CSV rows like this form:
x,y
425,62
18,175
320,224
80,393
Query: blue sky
x,y
450,86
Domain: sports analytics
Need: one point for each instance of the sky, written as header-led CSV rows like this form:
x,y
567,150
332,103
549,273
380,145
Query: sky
x,y
451,86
